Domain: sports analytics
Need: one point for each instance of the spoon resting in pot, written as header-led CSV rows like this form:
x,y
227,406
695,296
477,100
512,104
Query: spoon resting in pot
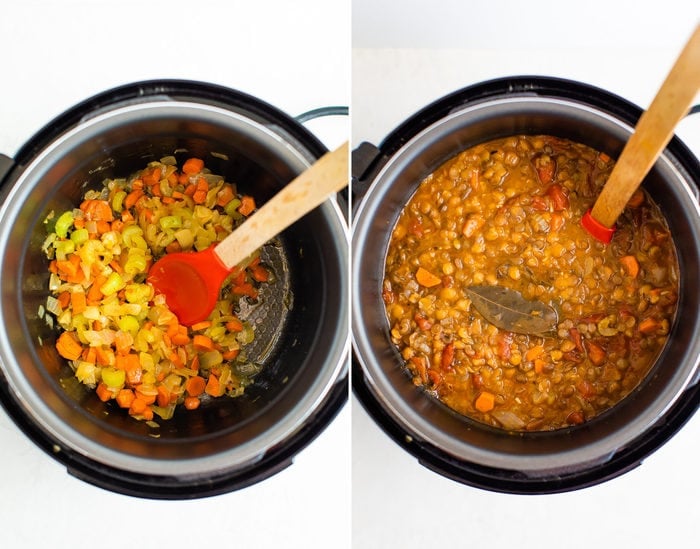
x,y
190,281
652,133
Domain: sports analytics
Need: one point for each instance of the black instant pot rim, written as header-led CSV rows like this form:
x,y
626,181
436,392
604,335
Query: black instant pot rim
x,y
369,160
164,487
173,89
172,487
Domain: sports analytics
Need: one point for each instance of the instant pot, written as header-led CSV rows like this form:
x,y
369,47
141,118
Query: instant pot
x,y
301,322
384,179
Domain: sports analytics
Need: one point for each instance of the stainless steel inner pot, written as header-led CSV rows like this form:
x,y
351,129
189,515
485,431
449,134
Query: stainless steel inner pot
x,y
303,335
454,445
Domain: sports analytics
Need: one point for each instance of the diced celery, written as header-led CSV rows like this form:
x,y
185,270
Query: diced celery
x,y
79,236
232,207
136,261
114,283
170,222
63,224
210,359
118,201
63,248
113,378
128,323
129,232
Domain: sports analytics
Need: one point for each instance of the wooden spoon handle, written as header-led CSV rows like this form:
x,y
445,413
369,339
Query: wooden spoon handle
x,y
653,132
326,176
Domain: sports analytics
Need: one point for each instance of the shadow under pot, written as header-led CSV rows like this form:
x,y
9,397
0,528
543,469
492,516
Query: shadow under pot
x,y
469,451
301,332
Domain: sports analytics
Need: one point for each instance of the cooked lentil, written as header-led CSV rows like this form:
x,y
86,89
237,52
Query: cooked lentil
x,y
508,213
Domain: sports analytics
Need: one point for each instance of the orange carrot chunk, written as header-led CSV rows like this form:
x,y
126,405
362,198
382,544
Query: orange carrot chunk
x,y
426,278
193,166
485,402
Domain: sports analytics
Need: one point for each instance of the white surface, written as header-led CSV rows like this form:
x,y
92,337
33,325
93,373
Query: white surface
x,y
294,55
405,57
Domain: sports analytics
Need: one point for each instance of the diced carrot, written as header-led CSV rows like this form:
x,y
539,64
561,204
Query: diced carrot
x,y
172,179
103,392
485,402
422,322
556,223
225,195
631,265
97,210
137,407
125,361
151,177
426,278
230,354
66,267
193,166
234,325
195,385
125,397
247,205
123,342
94,294
586,389
213,387
64,299
560,200
105,356
203,325
202,342
68,346
596,353
180,339
191,402
176,360
245,289
147,398
260,273
448,355
163,398
649,325
89,355
533,352
539,365
199,197
133,197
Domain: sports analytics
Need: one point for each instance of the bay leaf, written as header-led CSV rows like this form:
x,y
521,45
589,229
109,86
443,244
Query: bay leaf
x,y
508,310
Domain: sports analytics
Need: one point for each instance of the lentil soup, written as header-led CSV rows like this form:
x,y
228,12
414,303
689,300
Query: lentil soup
x,y
507,214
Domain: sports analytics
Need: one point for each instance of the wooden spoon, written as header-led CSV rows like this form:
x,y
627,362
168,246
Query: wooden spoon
x,y
191,281
652,133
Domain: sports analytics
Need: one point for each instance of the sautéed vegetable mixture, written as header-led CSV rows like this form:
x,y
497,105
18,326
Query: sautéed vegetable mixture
x,y
120,338
505,308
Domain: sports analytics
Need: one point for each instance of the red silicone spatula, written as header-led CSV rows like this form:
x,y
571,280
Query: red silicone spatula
x,y
191,281
652,133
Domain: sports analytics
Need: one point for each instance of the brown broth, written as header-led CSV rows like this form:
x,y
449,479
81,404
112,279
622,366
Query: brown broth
x,y
508,213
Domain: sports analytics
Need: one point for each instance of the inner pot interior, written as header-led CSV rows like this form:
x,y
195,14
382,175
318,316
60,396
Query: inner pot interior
x,y
425,419
299,331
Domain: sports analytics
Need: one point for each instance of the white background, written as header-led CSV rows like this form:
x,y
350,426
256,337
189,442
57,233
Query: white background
x,y
294,55
408,54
